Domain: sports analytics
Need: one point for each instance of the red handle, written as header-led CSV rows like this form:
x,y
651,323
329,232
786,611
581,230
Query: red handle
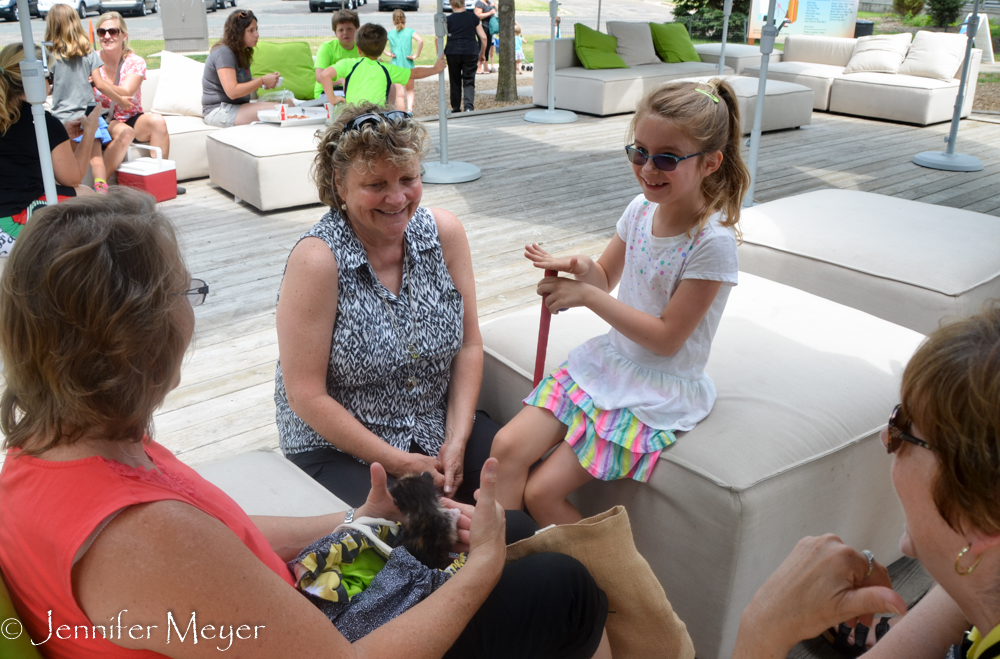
x,y
543,337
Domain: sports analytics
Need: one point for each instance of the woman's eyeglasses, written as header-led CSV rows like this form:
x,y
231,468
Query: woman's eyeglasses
x,y
663,161
897,435
196,294
375,118
111,31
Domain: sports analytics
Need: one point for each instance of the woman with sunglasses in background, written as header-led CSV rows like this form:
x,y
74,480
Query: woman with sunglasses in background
x,y
945,443
227,83
616,404
21,186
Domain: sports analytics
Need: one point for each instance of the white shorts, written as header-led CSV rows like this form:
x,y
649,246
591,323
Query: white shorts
x,y
223,116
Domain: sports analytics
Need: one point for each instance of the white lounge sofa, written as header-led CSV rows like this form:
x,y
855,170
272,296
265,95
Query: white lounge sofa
x,y
818,63
603,91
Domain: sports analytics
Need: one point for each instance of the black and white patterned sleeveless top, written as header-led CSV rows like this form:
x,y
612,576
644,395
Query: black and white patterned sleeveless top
x,y
369,365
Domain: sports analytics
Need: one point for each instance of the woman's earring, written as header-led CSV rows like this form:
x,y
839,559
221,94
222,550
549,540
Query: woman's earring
x,y
958,562
343,207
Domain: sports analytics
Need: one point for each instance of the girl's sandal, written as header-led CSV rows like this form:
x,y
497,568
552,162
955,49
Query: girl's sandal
x,y
100,186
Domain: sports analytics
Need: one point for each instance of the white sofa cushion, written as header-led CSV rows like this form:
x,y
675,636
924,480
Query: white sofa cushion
x,y
905,261
635,42
738,55
934,55
817,77
836,51
879,53
786,105
179,88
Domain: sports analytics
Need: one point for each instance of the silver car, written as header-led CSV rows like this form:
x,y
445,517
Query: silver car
x,y
135,7
82,7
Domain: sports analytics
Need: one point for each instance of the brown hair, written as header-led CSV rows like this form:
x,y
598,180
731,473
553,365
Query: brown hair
x,y
232,36
397,142
951,392
344,16
120,22
709,114
11,85
371,39
90,340
399,18
64,29
457,4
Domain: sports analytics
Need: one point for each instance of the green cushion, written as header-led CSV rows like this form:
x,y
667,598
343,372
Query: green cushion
x,y
672,42
293,60
596,50
21,646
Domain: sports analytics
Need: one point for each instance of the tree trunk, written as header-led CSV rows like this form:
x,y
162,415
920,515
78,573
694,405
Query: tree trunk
x,y
507,78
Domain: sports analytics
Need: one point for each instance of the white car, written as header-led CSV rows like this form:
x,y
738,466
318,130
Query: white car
x,y
82,7
134,7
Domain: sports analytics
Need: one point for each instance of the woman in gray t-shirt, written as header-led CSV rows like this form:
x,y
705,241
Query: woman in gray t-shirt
x,y
227,83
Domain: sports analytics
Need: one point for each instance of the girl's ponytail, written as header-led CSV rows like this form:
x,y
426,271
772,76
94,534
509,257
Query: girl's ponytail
x,y
731,181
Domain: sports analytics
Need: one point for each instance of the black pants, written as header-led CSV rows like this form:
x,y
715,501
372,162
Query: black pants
x,y
462,78
545,606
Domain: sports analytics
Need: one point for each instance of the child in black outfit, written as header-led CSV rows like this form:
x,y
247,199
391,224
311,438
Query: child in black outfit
x,y
463,54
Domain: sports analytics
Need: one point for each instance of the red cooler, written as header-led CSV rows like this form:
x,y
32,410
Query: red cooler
x,y
156,176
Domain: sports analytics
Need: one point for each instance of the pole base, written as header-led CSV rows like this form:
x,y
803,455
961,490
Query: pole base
x,y
452,172
949,162
551,117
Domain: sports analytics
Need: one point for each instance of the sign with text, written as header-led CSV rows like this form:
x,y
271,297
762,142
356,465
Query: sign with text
x,y
831,18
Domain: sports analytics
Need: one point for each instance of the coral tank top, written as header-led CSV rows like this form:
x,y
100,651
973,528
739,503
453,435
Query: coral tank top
x,y
48,509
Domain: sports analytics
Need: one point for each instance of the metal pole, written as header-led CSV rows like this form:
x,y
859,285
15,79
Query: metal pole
x,y
598,15
727,9
949,160
767,35
552,115
33,78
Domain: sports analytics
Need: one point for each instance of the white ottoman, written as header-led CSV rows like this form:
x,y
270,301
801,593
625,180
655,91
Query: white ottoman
x,y
905,261
738,56
264,165
786,104
791,448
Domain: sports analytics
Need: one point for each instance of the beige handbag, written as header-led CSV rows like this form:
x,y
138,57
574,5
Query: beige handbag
x,y
641,622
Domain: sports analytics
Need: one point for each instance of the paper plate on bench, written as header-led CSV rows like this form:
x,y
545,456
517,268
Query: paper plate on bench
x,y
302,116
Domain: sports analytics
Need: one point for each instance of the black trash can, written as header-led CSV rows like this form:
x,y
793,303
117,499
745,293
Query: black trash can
x,y
864,29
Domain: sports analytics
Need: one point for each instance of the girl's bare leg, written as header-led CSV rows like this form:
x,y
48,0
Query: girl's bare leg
x,y
548,486
97,169
150,127
604,649
400,96
409,95
115,154
520,444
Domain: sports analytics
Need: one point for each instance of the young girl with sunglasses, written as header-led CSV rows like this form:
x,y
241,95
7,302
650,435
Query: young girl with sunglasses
x,y
620,397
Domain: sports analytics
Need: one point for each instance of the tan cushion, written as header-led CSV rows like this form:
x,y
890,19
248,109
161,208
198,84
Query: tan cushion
x,y
905,261
635,42
935,55
836,51
790,449
179,88
880,53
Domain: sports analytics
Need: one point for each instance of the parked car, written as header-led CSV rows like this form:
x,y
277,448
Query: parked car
x,y
405,5
469,6
8,9
83,7
334,5
135,7
213,5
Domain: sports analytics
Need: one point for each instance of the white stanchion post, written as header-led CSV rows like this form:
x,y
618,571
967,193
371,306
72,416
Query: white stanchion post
x,y
727,9
444,171
551,115
767,35
948,160
33,77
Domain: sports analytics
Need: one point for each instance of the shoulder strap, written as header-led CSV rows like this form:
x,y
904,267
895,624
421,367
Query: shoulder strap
x,y
388,80
347,78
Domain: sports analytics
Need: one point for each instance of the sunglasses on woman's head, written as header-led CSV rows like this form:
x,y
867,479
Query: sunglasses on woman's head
x,y
663,161
111,31
375,118
245,13
896,433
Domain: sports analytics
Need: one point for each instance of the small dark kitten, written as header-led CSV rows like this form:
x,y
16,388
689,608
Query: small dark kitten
x,y
430,530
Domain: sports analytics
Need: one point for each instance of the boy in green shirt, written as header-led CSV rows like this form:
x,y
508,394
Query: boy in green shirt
x,y
345,24
365,78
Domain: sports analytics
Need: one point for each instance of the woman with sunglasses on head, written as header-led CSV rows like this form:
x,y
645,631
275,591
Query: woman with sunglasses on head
x,y
21,186
616,404
227,83
945,443
118,84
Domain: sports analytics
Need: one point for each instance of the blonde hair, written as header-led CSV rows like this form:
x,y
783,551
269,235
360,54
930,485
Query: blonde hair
x,y
398,142
709,114
517,30
951,392
120,22
399,18
91,339
64,29
11,85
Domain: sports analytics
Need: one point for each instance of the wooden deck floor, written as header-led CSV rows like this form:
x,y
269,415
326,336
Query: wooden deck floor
x,y
564,186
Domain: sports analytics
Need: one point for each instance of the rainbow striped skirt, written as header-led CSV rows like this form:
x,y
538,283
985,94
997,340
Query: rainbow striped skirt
x,y
610,444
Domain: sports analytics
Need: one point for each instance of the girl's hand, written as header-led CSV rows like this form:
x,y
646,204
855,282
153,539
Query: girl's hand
x,y
573,265
411,57
563,293
465,512
379,502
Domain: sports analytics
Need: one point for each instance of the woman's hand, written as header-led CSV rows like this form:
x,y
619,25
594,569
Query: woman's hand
x,y
562,293
452,460
574,265
488,530
821,584
73,128
379,502
270,80
465,513
90,122
417,463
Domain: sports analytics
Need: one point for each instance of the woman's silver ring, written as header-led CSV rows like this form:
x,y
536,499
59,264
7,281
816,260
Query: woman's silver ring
x,y
871,561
